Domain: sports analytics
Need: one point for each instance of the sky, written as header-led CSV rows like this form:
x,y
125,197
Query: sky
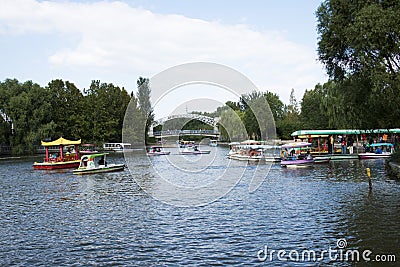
x,y
273,43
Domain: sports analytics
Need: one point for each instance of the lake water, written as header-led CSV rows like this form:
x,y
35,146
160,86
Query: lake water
x,y
54,218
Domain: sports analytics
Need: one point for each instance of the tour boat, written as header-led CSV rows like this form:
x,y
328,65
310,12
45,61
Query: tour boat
x,y
382,150
157,150
295,159
251,150
89,166
59,160
117,147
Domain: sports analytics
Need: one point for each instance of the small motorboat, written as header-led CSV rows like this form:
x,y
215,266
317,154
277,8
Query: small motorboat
x,y
157,150
253,151
378,151
193,150
213,143
296,159
89,166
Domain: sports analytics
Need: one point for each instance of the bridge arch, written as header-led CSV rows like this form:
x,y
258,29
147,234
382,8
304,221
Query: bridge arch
x,y
205,119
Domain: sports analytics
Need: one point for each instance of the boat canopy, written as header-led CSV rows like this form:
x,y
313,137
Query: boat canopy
x,y
296,145
61,141
92,156
324,133
381,144
251,142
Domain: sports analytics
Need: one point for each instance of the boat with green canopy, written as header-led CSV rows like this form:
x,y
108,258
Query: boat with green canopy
x,y
88,165
322,137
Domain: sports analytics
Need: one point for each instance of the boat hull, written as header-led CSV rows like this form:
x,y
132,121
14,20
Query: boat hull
x,y
195,152
322,159
159,153
56,165
105,169
343,156
298,163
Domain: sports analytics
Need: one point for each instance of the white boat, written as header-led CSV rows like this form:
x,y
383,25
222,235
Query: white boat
x,y
213,143
193,150
295,159
88,165
251,150
117,147
379,151
157,151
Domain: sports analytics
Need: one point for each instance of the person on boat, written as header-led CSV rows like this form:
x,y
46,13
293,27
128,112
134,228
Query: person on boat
x,y
344,145
378,150
330,144
308,155
292,152
102,161
284,154
350,143
53,157
384,138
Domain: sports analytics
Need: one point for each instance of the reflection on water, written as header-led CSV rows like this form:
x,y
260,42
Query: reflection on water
x,y
54,218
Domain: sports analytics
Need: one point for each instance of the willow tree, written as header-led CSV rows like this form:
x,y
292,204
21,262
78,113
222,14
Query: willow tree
x,y
359,43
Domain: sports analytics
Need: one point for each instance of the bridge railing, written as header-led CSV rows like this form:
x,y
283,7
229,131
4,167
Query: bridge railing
x,y
186,132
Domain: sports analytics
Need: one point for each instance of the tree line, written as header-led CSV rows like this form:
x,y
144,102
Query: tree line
x,y
358,42
31,113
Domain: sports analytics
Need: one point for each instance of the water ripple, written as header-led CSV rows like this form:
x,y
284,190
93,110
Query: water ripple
x,y
58,219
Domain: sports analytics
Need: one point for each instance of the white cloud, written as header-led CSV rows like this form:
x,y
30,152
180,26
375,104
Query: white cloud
x,y
115,37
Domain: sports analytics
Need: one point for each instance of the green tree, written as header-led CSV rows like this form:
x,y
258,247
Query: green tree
x,y
359,44
291,119
68,109
231,126
29,109
106,105
276,105
143,96
313,112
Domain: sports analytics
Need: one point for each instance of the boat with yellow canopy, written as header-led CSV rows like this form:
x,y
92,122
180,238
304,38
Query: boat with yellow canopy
x,y
60,160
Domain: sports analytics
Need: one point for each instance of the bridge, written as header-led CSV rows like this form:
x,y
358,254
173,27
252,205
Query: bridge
x,y
207,120
209,133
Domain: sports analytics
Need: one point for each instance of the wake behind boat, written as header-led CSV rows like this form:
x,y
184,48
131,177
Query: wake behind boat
x,y
89,166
